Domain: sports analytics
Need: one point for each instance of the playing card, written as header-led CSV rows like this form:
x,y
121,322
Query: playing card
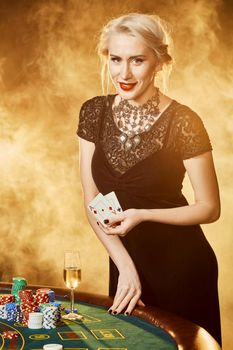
x,y
113,201
101,208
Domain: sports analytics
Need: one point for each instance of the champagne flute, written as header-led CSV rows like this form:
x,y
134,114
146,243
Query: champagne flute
x,y
72,277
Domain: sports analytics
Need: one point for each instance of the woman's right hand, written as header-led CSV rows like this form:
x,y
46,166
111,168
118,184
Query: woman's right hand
x,y
128,292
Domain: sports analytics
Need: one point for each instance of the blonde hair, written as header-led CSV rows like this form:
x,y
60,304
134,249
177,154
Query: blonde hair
x,y
151,29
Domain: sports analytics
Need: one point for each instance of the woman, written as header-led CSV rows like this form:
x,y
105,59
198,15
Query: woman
x,y
139,143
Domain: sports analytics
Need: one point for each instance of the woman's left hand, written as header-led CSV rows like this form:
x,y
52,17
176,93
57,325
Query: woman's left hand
x,y
120,224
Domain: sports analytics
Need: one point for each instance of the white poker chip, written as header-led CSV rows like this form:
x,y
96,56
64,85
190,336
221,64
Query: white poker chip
x,y
53,347
35,320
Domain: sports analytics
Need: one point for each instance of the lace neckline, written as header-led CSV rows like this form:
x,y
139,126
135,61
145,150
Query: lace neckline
x,y
161,116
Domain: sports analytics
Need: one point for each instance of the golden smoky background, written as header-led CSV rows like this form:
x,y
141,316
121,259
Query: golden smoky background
x,y
48,68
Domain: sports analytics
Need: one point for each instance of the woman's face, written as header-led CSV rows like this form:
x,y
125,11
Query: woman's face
x,y
132,67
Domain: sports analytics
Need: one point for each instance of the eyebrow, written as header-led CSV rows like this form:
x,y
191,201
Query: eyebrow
x,y
136,56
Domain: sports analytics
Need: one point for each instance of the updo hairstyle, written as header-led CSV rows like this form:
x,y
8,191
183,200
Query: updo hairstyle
x,y
153,32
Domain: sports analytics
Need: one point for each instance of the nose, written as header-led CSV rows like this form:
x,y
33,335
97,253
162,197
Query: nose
x,y
126,71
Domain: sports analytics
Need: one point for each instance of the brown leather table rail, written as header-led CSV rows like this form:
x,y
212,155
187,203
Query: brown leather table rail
x,y
187,335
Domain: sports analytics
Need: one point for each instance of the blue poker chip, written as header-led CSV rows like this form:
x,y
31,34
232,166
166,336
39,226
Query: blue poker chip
x,y
51,296
68,311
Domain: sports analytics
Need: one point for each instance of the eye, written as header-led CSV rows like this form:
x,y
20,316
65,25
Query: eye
x,y
137,61
115,59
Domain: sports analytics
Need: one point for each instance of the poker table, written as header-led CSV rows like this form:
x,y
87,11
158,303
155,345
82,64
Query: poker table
x,y
147,328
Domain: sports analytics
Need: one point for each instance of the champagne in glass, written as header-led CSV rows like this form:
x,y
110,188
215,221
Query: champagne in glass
x,y
72,276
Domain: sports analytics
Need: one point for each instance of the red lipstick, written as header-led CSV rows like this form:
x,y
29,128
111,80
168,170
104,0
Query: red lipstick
x,y
127,86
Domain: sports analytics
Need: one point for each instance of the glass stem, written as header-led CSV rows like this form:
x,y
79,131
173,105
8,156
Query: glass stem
x,y
72,300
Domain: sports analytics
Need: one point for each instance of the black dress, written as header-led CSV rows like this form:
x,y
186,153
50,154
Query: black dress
x,y
176,264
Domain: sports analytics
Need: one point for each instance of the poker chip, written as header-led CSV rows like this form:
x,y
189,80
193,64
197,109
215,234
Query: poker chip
x,y
3,313
6,298
19,283
11,312
42,296
68,311
51,296
52,347
26,295
19,314
35,320
50,317
10,334
47,295
27,308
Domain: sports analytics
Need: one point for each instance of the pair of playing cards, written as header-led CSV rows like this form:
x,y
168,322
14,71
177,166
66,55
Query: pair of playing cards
x,y
104,207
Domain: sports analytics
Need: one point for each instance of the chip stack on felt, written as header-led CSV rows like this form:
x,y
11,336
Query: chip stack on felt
x,y
58,305
3,313
27,304
10,334
11,311
19,283
41,295
50,316
35,320
35,311
6,298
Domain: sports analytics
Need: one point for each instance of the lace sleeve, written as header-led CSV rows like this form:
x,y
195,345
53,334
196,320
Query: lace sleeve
x,y
193,138
89,119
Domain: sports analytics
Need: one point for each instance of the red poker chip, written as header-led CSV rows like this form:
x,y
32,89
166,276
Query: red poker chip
x,y
42,297
26,295
10,334
6,298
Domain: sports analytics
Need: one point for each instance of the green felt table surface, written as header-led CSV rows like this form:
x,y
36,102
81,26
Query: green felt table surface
x,y
98,330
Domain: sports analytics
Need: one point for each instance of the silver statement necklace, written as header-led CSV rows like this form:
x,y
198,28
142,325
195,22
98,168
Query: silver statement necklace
x,y
133,120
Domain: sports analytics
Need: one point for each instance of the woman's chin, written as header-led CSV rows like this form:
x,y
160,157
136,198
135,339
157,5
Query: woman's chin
x,y
129,94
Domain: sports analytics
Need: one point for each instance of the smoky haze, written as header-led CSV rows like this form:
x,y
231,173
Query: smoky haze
x,y
48,68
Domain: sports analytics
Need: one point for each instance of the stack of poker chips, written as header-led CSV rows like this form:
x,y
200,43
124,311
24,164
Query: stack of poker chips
x,y
58,305
42,296
35,320
11,312
45,295
50,316
19,283
27,311
19,314
4,300
10,334
51,310
3,313
54,304
48,291
27,304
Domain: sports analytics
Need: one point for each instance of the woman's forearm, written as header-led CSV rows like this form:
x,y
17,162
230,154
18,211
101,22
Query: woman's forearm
x,y
198,213
113,245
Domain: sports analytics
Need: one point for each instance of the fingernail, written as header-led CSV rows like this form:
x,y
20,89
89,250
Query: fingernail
x,y
110,311
106,221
